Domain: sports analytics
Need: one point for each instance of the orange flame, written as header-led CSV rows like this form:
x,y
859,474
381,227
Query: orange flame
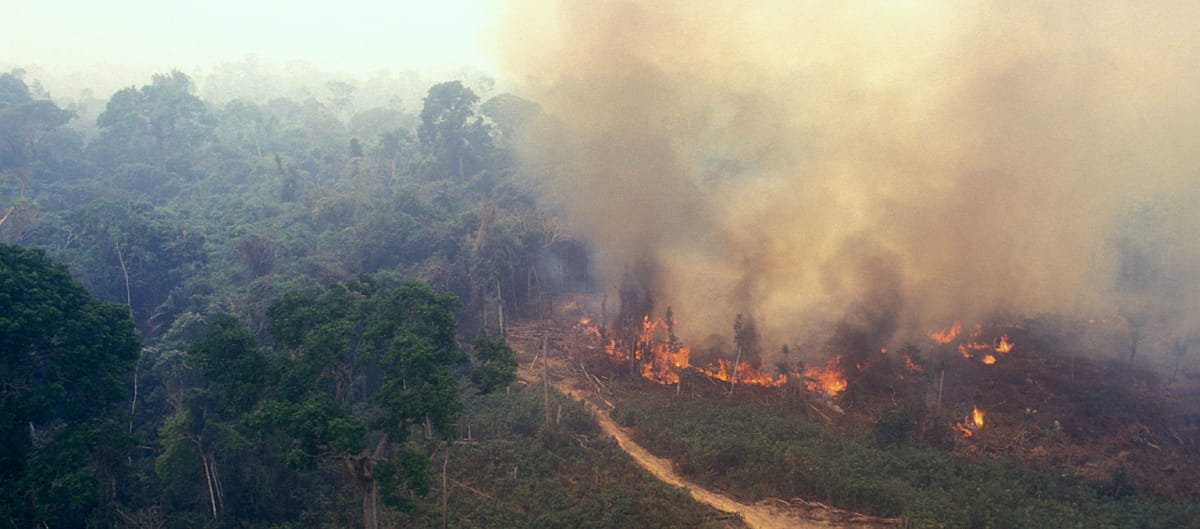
x,y
744,374
948,335
971,423
1004,346
663,359
829,380
989,359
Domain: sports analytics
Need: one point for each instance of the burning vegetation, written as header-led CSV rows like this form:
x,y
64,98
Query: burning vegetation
x,y
1024,389
662,358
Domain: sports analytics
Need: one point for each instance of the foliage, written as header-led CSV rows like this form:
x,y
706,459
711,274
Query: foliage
x,y
757,452
456,137
63,360
497,364
292,265
512,472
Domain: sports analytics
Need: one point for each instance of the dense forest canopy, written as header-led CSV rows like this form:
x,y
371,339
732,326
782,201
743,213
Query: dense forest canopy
x,y
307,280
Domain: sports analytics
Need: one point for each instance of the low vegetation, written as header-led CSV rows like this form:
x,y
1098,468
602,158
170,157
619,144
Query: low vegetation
x,y
756,452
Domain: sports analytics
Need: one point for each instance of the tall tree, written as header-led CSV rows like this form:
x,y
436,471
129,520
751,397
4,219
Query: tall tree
x,y
24,122
458,140
204,439
154,123
64,360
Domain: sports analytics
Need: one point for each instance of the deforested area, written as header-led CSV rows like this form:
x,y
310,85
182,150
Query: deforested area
x,y
600,264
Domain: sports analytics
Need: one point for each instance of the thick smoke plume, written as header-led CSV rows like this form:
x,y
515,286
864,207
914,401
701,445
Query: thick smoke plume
x,y
915,161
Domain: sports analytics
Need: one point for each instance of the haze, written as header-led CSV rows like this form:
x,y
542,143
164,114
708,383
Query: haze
x,y
122,43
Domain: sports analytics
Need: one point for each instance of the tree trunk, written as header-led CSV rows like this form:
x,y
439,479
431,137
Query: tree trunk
x,y
733,376
545,382
445,511
6,214
941,384
370,504
125,272
500,308
604,311
362,468
1135,337
208,479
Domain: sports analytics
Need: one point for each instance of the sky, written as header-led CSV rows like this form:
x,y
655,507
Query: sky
x,y
139,37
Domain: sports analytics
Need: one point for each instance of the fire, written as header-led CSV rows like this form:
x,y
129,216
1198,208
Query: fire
x,y
911,365
662,358
975,347
829,380
972,422
585,324
1004,345
948,335
744,374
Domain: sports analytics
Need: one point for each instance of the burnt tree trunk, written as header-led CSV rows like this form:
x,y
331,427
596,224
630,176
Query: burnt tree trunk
x,y
362,467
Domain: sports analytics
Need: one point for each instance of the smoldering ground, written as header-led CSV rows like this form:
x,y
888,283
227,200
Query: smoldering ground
x,y
794,161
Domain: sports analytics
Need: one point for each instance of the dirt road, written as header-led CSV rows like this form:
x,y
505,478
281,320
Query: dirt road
x,y
756,516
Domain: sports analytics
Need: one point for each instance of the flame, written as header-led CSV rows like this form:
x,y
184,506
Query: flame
x,y
947,335
1004,346
662,358
829,380
744,374
971,423
970,349
585,324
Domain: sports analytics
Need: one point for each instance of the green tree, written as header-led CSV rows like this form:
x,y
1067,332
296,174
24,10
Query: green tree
x,y
497,364
510,113
204,439
457,140
131,253
362,366
64,361
154,123
24,123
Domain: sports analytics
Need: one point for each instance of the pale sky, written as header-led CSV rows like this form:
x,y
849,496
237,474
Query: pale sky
x,y
356,37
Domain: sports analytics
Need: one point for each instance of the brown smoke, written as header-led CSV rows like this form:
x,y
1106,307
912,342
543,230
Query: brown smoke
x,y
790,160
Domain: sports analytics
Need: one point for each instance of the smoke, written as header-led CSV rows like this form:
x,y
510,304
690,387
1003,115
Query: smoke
x,y
901,163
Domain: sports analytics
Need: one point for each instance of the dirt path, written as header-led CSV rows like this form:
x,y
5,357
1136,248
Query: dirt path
x,y
756,516
769,514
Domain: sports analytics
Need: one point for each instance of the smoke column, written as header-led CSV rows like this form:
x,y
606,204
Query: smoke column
x,y
798,161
